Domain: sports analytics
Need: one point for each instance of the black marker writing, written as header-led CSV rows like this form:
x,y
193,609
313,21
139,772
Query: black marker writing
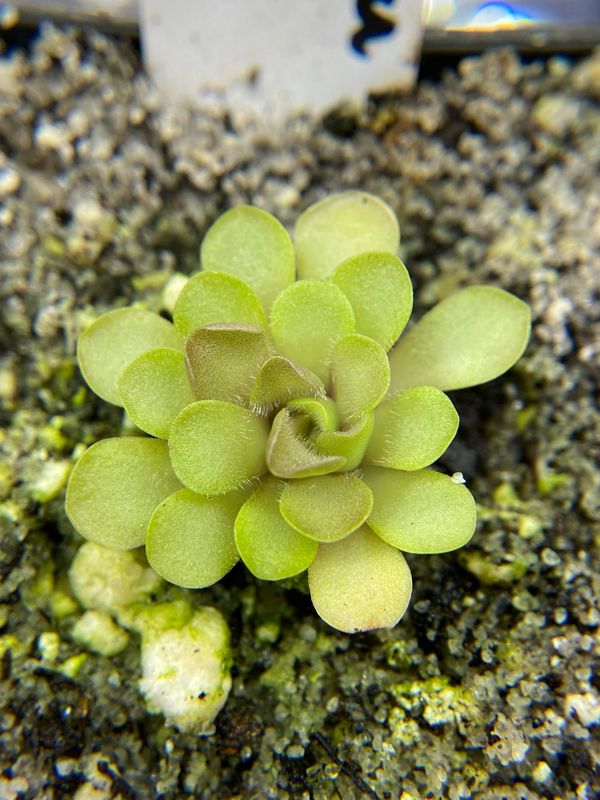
x,y
373,26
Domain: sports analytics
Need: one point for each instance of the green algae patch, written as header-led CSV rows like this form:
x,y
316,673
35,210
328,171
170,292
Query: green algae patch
x,y
438,701
491,573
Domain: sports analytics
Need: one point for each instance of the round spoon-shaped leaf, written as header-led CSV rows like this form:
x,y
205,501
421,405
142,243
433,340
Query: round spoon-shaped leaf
x,y
412,429
116,339
380,293
223,360
420,512
307,320
360,374
215,297
326,508
114,488
190,538
254,246
154,389
470,337
350,444
359,583
279,380
339,227
216,446
270,548
291,455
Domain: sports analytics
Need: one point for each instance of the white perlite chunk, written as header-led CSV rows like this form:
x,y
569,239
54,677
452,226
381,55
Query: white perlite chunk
x,y
172,290
109,580
97,631
185,664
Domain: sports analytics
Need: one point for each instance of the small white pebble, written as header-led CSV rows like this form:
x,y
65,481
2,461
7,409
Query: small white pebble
x,y
172,290
49,136
550,558
6,217
10,180
185,664
541,772
295,751
65,766
586,706
137,115
307,633
560,616
458,477
9,16
332,704
48,645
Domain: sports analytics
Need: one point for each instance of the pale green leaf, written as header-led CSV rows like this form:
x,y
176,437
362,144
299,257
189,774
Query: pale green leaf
x,y
326,508
114,488
280,380
223,360
271,549
254,246
215,297
360,375
339,227
380,293
114,340
349,443
470,337
291,455
190,538
154,389
420,512
359,583
320,410
216,446
307,320
412,429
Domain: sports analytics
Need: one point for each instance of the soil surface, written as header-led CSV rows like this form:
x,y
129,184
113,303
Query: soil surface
x,y
487,688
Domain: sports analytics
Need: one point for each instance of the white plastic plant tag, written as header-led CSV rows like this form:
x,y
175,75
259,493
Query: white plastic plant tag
x,y
278,56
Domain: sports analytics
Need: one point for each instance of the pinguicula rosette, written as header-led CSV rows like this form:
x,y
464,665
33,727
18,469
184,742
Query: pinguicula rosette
x,y
283,429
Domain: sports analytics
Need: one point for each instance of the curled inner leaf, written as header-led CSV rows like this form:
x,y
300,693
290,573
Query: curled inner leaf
x,y
280,380
320,410
291,455
349,443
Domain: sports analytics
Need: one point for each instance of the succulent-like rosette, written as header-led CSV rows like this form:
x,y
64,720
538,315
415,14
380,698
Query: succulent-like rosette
x,y
287,425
